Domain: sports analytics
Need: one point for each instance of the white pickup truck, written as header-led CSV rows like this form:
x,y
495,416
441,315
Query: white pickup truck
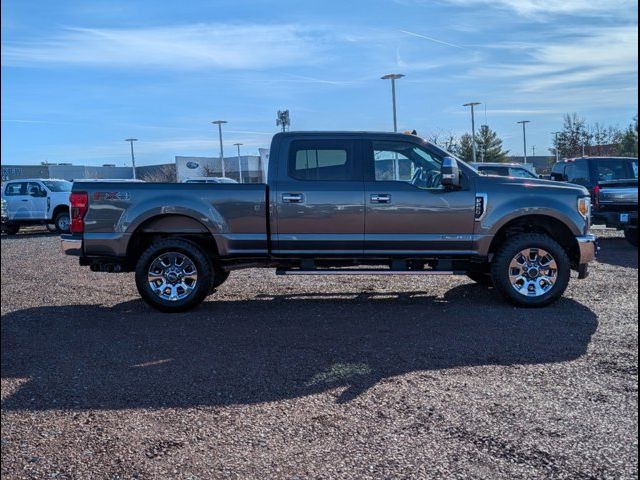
x,y
36,201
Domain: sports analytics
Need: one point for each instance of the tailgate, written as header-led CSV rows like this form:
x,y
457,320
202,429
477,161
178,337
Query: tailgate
x,y
618,192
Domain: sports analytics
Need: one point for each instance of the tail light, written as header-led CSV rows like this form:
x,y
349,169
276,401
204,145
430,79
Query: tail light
x,y
79,202
596,196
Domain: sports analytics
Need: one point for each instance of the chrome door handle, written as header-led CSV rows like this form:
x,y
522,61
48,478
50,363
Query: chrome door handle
x,y
380,198
292,198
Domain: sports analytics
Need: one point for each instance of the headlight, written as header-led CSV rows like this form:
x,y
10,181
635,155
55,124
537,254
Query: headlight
x,y
584,207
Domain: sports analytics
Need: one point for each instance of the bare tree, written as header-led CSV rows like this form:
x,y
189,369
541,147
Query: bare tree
x,y
162,174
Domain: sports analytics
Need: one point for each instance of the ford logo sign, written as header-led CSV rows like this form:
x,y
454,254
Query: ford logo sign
x,y
193,165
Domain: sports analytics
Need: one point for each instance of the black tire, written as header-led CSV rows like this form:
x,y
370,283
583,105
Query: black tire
x,y
481,278
62,222
219,277
190,250
508,251
11,228
631,234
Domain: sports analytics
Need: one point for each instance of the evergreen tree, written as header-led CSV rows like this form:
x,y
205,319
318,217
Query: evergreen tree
x,y
465,148
489,146
628,144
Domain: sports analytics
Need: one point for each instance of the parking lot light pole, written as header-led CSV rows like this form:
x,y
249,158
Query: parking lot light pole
x,y
473,128
556,146
239,163
219,123
524,137
393,77
133,157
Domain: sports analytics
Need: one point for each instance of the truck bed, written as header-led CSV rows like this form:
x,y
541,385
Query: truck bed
x,y
236,214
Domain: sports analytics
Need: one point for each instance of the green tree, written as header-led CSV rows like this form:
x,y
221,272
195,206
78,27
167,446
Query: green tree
x,y
464,148
489,146
628,144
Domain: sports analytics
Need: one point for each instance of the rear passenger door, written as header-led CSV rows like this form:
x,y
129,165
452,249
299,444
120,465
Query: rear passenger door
x,y
15,194
320,199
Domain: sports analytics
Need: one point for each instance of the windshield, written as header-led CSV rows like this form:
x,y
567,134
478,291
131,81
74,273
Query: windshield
x,y
58,185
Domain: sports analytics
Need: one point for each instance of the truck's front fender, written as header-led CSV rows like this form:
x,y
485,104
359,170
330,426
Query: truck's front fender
x,y
502,211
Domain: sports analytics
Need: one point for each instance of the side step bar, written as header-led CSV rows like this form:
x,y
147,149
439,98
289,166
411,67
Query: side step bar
x,y
337,271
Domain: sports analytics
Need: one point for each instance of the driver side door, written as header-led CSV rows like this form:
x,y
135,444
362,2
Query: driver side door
x,y
408,211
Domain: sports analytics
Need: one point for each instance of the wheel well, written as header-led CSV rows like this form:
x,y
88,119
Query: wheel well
x,y
166,226
58,209
550,226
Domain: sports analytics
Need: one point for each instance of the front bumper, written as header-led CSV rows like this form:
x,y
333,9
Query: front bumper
x,y
71,245
588,245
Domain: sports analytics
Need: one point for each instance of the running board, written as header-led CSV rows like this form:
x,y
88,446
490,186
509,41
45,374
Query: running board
x,y
336,271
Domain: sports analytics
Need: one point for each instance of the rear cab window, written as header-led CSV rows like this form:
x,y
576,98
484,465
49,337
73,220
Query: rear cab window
x,y
322,160
15,188
616,169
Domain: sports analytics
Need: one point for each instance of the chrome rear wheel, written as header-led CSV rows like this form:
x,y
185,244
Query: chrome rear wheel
x,y
172,276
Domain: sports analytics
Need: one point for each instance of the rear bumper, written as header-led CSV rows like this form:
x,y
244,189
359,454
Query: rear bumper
x,y
588,245
71,245
617,219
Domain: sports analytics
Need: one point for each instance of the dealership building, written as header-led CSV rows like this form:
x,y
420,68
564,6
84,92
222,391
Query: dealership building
x,y
246,168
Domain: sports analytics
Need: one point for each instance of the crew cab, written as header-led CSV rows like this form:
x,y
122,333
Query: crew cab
x,y
613,184
377,203
36,201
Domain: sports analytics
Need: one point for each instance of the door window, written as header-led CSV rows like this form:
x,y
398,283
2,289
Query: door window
x,y
321,161
14,189
578,172
520,173
499,171
34,189
406,162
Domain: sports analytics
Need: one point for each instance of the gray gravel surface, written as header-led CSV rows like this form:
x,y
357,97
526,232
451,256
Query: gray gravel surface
x,y
315,377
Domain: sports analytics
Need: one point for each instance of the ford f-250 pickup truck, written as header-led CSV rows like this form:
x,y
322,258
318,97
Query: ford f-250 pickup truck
x,y
338,203
613,184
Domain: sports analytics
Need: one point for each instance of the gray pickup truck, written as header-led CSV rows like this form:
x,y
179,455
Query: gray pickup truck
x,y
338,203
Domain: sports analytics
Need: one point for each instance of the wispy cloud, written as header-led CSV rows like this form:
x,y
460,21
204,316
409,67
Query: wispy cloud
x,y
587,57
223,46
530,8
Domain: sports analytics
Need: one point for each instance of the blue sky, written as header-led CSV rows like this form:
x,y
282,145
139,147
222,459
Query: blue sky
x,y
78,77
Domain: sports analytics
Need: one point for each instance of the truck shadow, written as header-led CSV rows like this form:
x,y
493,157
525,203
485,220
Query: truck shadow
x,y
617,251
271,347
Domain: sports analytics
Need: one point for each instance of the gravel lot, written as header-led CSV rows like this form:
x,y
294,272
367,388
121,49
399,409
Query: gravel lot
x,y
343,377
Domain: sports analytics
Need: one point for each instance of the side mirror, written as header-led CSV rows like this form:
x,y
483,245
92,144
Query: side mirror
x,y
450,172
558,177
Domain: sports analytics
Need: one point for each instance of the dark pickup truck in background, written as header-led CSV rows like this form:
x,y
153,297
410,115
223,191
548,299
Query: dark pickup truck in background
x,y
377,203
613,184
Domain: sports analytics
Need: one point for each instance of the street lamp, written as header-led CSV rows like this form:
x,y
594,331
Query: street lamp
x,y
133,158
524,137
239,162
393,77
219,123
473,128
556,146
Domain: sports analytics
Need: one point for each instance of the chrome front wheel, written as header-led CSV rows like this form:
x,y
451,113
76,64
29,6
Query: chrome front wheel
x,y
533,272
172,276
